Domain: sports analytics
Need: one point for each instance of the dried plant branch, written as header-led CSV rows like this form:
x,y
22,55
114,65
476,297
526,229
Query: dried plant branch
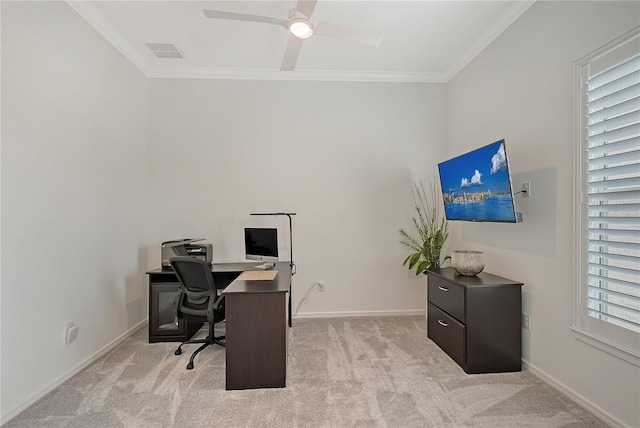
x,y
431,228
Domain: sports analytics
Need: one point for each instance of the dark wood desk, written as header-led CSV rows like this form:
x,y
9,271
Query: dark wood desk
x,y
256,313
256,322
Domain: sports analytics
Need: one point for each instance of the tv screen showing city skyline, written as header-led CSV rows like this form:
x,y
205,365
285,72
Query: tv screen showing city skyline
x,y
476,186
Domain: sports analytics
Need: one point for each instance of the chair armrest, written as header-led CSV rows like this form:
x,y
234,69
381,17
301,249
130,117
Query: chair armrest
x,y
213,304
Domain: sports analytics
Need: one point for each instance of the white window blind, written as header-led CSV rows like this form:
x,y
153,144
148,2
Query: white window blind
x,y
608,174
613,193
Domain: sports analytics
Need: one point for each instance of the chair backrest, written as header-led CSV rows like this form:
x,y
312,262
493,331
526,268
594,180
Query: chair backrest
x,y
196,280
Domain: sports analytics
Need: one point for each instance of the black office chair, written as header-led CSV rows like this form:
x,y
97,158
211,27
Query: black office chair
x,y
197,300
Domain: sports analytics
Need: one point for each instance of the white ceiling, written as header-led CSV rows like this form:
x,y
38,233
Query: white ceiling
x,y
425,41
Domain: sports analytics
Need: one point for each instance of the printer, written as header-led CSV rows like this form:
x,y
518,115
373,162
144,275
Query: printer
x,y
185,248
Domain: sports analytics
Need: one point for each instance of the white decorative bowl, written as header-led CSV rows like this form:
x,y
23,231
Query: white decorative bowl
x,y
467,262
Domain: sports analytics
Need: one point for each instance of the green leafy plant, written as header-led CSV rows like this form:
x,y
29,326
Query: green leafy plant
x,y
432,231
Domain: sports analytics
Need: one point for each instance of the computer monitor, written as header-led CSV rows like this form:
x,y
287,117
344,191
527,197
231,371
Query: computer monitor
x,y
261,244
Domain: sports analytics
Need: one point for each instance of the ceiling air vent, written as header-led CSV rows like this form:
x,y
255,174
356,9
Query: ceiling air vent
x,y
165,50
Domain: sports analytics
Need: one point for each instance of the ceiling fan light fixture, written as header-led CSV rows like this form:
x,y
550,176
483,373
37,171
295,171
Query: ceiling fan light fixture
x,y
301,28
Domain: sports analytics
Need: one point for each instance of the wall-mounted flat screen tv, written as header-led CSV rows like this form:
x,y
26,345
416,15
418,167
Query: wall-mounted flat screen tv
x,y
476,186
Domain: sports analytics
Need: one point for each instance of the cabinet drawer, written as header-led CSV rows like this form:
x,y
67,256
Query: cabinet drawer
x,y
447,296
448,334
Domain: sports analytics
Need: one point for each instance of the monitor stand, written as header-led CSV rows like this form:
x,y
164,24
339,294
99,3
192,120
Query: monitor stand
x,y
266,266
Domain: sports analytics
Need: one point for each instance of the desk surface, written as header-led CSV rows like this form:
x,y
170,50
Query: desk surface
x,y
280,284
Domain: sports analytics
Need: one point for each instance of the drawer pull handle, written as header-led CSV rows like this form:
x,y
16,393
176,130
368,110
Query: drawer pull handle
x,y
445,289
442,323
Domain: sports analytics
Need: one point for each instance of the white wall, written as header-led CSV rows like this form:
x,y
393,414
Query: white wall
x,y
521,88
74,185
74,189
342,156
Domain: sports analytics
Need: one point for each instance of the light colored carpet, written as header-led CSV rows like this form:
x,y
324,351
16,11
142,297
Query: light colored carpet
x,y
342,372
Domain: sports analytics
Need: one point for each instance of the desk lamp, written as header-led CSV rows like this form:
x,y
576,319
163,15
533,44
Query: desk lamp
x,y
291,264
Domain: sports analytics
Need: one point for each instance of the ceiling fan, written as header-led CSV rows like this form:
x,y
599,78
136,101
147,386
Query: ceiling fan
x,y
300,27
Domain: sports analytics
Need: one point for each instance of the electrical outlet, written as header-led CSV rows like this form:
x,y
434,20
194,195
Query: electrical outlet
x,y
526,189
526,321
321,286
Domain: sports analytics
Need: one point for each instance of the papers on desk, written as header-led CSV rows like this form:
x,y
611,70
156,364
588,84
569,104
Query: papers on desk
x,y
258,275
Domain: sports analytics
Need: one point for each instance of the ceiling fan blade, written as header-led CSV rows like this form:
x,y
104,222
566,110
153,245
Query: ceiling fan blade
x,y
368,37
235,16
306,7
291,53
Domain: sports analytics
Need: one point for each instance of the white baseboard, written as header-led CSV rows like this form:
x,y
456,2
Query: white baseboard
x,y
74,371
359,314
606,417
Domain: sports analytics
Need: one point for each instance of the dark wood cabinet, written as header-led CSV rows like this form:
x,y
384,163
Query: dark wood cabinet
x,y
476,320
163,325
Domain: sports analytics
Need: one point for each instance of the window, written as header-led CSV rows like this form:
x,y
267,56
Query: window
x,y
607,310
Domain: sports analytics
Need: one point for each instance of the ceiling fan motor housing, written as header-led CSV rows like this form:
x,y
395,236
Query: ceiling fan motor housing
x,y
301,28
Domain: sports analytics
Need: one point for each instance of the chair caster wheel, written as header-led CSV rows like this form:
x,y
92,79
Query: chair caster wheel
x,y
178,351
190,366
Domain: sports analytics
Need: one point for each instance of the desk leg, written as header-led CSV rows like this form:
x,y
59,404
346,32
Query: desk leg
x,y
256,340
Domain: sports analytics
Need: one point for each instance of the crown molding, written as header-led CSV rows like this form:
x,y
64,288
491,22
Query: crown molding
x,y
172,72
512,13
